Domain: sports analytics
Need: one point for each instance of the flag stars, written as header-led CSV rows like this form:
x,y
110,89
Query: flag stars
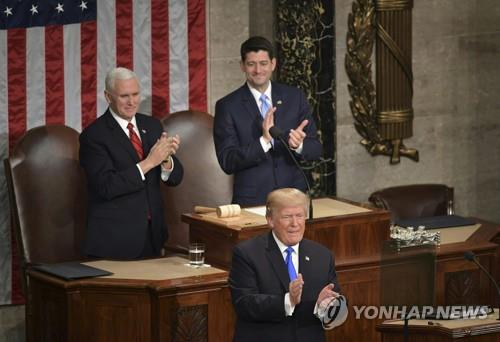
x,y
34,10
59,7
83,5
8,11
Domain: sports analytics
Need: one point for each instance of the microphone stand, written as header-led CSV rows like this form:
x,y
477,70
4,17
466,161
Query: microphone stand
x,y
276,133
472,257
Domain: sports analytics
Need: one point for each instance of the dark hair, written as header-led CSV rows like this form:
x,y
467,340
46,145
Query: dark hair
x,y
254,44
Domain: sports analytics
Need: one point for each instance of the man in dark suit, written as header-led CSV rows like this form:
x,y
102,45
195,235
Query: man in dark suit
x,y
125,155
242,121
279,281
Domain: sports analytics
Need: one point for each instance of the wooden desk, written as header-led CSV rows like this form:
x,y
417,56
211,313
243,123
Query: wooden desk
x,y
463,330
356,240
457,281
148,306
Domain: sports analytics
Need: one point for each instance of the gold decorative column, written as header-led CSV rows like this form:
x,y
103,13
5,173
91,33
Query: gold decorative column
x,y
383,114
394,78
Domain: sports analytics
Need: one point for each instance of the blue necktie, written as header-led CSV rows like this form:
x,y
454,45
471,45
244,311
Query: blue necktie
x,y
264,105
289,264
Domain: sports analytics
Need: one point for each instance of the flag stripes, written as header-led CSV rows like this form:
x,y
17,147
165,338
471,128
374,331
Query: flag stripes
x,y
54,58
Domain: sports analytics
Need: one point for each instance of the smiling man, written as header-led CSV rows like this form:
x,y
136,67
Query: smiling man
x,y
279,281
125,155
243,118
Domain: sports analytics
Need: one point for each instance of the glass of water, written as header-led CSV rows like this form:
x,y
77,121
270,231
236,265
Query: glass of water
x,y
196,254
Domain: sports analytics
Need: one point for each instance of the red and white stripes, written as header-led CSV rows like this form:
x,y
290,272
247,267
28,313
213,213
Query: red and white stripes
x,y
55,74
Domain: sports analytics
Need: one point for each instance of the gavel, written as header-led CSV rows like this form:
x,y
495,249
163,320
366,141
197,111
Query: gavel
x,y
223,211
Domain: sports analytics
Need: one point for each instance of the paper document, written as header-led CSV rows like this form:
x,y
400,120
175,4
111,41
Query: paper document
x,y
261,211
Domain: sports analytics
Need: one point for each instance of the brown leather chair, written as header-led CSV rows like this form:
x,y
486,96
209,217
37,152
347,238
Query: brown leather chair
x,y
204,182
47,195
416,200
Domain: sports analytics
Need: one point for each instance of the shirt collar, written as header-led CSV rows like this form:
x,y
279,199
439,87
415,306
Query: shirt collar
x,y
256,94
122,122
283,247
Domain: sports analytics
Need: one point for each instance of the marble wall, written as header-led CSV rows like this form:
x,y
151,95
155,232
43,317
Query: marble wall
x,y
456,67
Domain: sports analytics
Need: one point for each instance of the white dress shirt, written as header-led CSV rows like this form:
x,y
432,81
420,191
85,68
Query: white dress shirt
x,y
165,174
289,308
256,95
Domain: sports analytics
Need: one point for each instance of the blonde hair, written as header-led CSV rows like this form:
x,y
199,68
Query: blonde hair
x,y
118,73
286,197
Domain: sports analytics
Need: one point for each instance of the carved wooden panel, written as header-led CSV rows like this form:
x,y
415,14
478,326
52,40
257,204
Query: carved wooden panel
x,y
191,324
462,287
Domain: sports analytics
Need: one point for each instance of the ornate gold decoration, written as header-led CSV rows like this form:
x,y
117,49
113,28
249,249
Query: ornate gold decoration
x,y
383,130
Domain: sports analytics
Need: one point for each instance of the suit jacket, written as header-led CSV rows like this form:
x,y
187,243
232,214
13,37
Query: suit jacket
x,y
258,282
237,129
119,200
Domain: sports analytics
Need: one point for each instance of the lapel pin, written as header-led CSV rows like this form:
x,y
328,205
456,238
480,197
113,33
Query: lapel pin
x,y
143,131
307,258
278,102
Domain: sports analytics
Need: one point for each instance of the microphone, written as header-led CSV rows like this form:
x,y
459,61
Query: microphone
x,y
276,133
470,256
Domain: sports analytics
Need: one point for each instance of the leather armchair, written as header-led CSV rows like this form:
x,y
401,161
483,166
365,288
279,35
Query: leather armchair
x,y
47,195
416,200
204,182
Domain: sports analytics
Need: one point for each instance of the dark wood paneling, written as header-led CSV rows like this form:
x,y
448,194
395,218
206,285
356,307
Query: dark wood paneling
x,y
186,309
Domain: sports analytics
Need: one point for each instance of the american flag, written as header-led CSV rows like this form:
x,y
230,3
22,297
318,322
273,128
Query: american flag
x,y
54,55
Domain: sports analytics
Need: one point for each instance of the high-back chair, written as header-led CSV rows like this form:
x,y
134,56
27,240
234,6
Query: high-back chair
x,y
204,182
47,195
414,201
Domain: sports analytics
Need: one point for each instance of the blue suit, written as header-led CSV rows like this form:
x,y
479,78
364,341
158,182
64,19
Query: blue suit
x,y
237,129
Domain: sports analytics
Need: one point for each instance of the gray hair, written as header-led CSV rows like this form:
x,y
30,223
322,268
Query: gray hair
x,y
118,73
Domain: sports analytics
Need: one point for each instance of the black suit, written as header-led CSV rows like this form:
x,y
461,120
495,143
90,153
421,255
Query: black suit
x,y
120,202
237,129
259,281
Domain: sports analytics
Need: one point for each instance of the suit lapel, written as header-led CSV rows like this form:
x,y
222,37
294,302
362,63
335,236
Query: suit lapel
x,y
144,134
277,96
275,257
305,262
120,136
249,104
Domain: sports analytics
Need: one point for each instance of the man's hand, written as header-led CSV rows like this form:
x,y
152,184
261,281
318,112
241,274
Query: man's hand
x,y
295,290
326,292
267,124
172,147
161,151
297,135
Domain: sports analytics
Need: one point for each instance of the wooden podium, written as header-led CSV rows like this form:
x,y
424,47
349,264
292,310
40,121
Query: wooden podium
x,y
350,230
164,300
149,300
463,330
355,234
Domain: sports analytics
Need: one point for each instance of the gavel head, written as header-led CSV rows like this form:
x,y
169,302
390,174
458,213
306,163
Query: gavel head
x,y
229,210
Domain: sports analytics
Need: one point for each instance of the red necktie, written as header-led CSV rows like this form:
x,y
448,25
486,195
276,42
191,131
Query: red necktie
x,y
136,142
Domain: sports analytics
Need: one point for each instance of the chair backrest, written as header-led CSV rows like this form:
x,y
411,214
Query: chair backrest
x,y
204,182
416,200
47,195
